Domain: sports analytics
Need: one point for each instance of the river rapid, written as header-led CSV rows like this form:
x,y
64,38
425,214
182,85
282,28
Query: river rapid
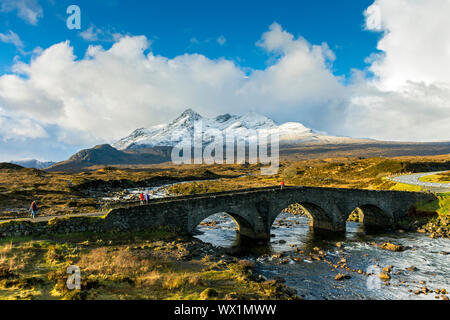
x,y
292,237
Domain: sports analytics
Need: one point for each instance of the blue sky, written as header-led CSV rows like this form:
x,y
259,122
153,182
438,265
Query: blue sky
x,y
173,26
336,66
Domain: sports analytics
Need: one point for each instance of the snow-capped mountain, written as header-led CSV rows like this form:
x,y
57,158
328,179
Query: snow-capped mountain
x,y
182,129
33,163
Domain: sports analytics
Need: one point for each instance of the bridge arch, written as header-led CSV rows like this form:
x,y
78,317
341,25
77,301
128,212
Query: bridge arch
x,y
243,227
319,218
372,216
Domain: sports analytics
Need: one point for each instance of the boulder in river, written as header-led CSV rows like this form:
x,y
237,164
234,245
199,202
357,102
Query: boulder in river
x,y
391,247
387,269
340,277
384,276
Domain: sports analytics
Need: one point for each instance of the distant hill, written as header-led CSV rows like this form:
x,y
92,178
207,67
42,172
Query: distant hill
x,y
106,155
10,166
33,163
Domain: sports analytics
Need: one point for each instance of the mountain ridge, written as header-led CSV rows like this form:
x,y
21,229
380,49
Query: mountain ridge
x,y
147,146
33,163
181,130
105,154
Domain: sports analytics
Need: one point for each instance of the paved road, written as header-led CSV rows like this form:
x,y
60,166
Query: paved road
x,y
413,179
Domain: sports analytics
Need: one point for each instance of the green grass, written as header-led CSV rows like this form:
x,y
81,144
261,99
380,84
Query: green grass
x,y
441,205
142,265
437,178
444,204
59,193
352,173
406,187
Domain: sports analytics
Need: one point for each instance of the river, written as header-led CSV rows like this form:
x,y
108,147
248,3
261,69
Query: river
x,y
315,279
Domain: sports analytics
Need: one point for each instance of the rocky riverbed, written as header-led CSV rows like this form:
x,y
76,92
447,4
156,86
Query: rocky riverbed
x,y
400,265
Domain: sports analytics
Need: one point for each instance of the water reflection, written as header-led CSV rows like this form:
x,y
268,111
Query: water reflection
x,y
219,230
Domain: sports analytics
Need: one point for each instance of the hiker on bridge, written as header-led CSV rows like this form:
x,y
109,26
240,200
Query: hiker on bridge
x,y
282,185
141,197
33,209
146,197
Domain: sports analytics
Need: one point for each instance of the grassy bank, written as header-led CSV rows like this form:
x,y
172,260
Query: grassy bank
x,y
338,173
437,178
155,265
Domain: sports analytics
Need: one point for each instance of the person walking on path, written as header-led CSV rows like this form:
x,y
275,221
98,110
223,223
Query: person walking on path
x,y
141,197
282,185
33,209
146,197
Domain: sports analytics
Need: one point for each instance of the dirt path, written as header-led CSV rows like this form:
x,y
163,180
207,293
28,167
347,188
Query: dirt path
x,y
48,218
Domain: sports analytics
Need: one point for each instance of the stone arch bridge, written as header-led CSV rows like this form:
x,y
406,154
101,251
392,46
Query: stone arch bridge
x,y
255,210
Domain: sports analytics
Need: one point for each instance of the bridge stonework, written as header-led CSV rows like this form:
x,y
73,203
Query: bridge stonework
x,y
255,210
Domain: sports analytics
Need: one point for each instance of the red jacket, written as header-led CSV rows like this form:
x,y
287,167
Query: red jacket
x,y
33,206
141,196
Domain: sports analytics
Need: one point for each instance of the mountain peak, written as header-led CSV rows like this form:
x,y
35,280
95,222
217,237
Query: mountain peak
x,y
182,129
101,151
186,119
225,117
256,120
190,113
103,147
189,116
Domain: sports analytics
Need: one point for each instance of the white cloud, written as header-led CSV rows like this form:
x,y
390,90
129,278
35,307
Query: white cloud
x,y
91,34
28,10
416,113
94,34
15,126
298,83
409,98
194,40
11,37
221,40
108,93
415,43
